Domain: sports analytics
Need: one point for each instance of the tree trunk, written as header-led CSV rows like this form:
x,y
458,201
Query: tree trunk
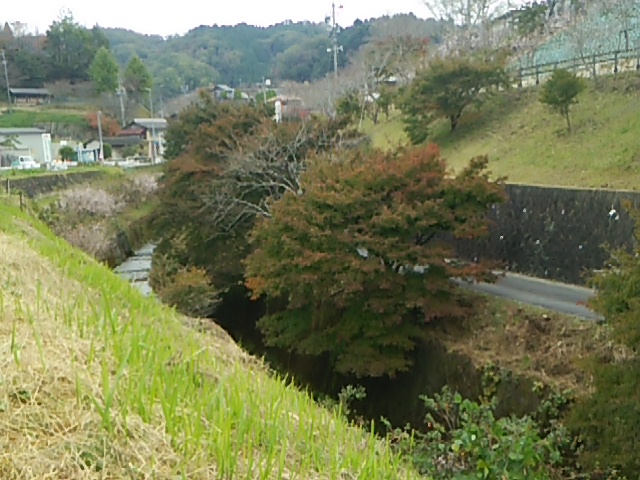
x,y
454,121
566,116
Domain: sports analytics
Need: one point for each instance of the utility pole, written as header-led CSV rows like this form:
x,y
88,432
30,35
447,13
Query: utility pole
x,y
6,79
153,130
334,39
101,156
121,93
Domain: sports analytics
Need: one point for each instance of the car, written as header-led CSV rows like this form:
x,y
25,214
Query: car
x,y
25,163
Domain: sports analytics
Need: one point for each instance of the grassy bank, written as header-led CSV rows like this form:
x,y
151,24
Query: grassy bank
x,y
99,382
27,118
529,144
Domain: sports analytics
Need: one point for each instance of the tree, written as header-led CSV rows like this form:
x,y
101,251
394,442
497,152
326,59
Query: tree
x,y
530,19
352,265
107,150
467,23
136,76
67,153
104,71
109,125
561,91
72,48
227,163
10,142
446,88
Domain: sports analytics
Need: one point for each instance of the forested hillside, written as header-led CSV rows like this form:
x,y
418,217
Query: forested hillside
x,y
244,53
233,55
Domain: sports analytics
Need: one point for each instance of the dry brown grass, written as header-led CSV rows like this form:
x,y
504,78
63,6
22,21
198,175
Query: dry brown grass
x,y
48,431
550,347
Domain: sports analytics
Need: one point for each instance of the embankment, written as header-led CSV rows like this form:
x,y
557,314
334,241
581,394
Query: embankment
x,y
37,185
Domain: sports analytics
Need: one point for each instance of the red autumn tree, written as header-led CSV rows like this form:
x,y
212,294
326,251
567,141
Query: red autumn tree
x,y
110,125
356,263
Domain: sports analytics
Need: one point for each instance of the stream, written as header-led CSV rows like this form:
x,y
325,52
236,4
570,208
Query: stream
x,y
136,269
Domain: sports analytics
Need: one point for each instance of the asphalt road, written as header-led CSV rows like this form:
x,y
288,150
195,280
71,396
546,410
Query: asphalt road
x,y
555,296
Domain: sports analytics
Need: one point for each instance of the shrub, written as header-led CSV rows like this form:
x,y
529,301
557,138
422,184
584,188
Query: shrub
x,y
190,291
609,420
466,441
87,200
95,239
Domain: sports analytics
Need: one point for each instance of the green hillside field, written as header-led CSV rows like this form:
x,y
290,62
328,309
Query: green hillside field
x,y
529,144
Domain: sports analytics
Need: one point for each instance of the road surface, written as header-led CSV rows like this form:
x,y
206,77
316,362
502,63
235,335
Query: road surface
x,y
555,296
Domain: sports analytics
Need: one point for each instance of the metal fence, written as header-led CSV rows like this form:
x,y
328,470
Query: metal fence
x,y
592,66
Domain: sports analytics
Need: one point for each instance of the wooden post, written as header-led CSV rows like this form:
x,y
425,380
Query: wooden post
x,y
8,187
21,201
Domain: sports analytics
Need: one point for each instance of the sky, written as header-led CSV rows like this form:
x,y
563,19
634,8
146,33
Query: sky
x,y
178,17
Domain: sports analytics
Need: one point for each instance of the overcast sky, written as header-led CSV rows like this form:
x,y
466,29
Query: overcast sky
x,y
178,17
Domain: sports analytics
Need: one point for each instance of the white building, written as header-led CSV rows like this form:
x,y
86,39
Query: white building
x,y
34,142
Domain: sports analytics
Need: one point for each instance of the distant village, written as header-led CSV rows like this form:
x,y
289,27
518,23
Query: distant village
x,y
138,141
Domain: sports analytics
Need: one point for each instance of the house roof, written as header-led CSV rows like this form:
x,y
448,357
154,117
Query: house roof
x,y
224,88
131,130
148,123
117,141
42,92
20,131
285,99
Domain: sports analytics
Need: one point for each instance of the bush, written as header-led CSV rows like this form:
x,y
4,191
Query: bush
x,y
87,200
609,420
190,291
95,239
466,441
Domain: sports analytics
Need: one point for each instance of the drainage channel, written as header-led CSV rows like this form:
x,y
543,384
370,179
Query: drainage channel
x,y
136,269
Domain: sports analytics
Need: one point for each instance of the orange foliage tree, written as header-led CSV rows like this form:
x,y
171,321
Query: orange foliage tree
x,y
357,262
110,125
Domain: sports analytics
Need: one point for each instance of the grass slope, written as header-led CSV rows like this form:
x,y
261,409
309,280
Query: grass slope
x,y
97,381
529,144
27,118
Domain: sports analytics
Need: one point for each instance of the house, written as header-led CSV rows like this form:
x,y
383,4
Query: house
x,y
150,130
225,92
30,95
118,143
289,107
34,142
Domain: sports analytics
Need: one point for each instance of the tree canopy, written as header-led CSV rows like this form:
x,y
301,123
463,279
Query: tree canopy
x,y
104,71
136,76
227,163
354,264
72,48
445,89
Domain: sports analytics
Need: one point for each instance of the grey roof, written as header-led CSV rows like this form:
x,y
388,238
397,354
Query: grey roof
x,y
224,88
20,131
123,141
159,123
31,91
